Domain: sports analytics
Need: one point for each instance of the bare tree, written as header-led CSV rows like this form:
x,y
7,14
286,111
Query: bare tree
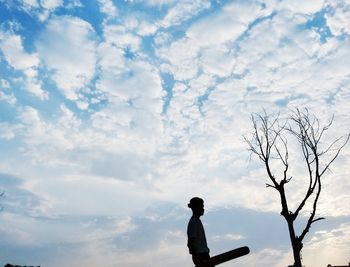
x,y
269,142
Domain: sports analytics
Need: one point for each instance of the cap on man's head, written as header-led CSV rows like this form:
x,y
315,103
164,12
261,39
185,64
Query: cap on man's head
x,y
195,202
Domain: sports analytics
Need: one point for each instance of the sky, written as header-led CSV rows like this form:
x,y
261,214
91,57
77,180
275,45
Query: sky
x,y
113,114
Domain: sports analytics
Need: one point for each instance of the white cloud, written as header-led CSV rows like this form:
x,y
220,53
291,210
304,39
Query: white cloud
x,y
337,21
31,3
276,51
98,196
125,226
67,47
13,50
138,82
74,4
213,30
134,91
49,141
182,11
159,2
40,9
64,230
8,131
11,46
114,147
8,97
168,252
111,59
121,37
4,84
265,257
36,128
51,4
206,40
217,60
335,184
108,7
146,28
290,66
335,244
181,58
302,7
162,38
228,237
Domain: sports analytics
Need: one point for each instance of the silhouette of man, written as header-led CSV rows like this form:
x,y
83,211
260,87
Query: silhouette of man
x,y
197,242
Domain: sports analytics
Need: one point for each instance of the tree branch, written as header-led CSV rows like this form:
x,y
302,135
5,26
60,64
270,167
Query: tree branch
x,y
336,155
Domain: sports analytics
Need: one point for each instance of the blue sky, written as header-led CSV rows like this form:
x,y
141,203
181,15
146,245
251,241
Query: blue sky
x,y
113,114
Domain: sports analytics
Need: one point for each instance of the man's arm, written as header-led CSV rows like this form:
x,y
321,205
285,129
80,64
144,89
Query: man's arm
x,y
190,245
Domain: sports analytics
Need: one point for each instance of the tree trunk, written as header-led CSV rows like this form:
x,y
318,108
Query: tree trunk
x,y
296,254
296,244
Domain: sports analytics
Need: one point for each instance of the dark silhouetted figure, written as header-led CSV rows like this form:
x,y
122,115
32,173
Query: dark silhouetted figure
x,y
197,242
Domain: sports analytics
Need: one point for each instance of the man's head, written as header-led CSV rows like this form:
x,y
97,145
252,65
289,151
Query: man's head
x,y
197,206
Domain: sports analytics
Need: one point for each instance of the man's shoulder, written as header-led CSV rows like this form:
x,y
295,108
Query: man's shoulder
x,y
194,220
193,226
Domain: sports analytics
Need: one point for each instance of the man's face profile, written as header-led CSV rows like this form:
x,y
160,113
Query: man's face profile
x,y
199,209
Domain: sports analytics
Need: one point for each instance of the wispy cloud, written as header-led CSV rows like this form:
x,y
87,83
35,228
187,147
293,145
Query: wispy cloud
x,y
67,47
109,8
13,50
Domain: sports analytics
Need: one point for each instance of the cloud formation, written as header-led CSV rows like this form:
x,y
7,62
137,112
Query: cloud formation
x,y
67,47
115,113
14,53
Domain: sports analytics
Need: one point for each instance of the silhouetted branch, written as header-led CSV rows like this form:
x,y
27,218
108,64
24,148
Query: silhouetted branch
x,y
318,219
336,155
325,128
269,185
